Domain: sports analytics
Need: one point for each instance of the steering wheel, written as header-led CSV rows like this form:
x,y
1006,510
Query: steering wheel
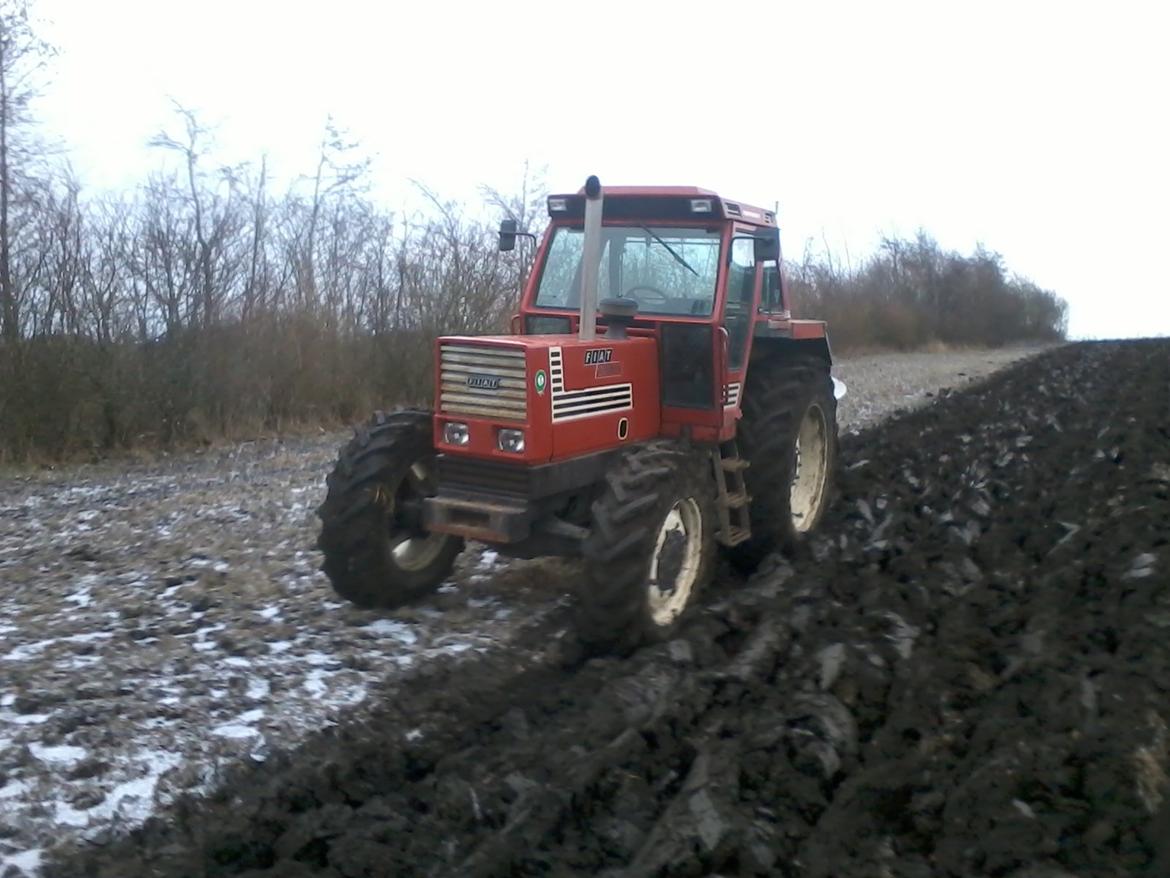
x,y
654,291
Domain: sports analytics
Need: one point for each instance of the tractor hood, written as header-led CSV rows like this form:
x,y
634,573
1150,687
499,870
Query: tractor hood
x,y
564,395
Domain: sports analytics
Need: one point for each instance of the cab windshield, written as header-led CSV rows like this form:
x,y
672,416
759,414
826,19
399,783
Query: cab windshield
x,y
667,270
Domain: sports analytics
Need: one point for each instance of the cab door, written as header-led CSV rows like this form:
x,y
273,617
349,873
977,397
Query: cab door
x,y
739,315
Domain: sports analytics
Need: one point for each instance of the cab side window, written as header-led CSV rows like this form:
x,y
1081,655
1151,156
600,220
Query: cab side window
x,y
771,297
737,316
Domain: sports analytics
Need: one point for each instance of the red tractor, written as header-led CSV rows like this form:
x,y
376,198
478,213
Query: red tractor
x,y
657,402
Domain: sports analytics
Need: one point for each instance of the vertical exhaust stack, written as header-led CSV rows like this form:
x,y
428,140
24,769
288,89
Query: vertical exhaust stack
x,y
590,260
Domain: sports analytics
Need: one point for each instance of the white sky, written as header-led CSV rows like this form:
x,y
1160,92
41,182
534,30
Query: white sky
x,y
1040,129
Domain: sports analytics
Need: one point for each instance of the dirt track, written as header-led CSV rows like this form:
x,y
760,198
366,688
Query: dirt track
x,y
970,678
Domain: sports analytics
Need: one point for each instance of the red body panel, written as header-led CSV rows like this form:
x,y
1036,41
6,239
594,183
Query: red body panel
x,y
633,362
593,395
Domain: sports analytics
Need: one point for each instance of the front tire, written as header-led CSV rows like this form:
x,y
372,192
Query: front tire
x,y
376,551
650,550
788,434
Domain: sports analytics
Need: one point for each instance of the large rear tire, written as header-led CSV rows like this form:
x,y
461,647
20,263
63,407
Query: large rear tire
x,y
788,434
650,550
376,552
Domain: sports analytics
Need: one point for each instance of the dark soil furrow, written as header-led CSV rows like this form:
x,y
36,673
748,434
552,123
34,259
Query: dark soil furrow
x,y
968,676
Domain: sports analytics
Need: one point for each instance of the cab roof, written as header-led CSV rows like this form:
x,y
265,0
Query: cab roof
x,y
665,202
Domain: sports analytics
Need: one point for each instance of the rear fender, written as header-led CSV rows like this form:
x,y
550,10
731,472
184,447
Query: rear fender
x,y
795,348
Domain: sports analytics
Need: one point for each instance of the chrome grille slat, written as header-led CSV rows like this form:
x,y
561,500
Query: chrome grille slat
x,y
452,388
461,369
459,362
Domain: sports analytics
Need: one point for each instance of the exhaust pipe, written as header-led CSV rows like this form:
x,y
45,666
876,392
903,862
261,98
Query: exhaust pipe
x,y
590,260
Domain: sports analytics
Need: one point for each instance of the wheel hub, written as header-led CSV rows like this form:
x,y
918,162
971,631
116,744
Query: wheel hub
x,y
674,564
810,461
412,547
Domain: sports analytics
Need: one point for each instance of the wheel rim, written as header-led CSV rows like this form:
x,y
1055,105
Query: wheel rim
x,y
411,548
809,469
674,565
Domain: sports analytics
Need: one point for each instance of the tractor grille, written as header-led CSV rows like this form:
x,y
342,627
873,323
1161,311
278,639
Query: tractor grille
x,y
472,475
487,382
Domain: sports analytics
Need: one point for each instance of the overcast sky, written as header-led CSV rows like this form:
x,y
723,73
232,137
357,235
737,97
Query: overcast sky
x,y
1039,129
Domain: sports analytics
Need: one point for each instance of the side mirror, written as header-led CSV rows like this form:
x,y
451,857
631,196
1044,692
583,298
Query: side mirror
x,y
507,235
767,245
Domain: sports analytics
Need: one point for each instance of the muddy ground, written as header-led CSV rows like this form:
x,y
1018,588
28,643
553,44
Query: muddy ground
x,y
162,620
966,675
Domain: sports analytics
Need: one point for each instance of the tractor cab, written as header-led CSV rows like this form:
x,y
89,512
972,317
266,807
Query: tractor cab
x,y
693,271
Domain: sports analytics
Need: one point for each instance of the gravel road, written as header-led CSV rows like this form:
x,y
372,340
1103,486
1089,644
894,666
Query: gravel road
x,y
164,624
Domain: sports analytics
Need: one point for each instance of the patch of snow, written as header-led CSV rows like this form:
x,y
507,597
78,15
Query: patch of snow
x,y
315,683
88,637
62,754
235,732
30,719
353,695
169,592
75,662
26,651
13,789
258,687
81,598
269,612
399,631
318,659
131,800
27,863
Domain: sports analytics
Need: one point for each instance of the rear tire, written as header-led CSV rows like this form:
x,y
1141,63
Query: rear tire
x,y
376,552
650,550
788,434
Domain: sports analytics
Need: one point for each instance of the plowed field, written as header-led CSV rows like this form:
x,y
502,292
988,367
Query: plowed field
x,y
967,675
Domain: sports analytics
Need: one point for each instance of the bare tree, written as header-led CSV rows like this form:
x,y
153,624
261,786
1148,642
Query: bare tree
x,y
340,174
211,214
253,295
22,57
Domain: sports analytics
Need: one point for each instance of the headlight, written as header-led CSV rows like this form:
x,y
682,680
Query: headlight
x,y
456,434
511,440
